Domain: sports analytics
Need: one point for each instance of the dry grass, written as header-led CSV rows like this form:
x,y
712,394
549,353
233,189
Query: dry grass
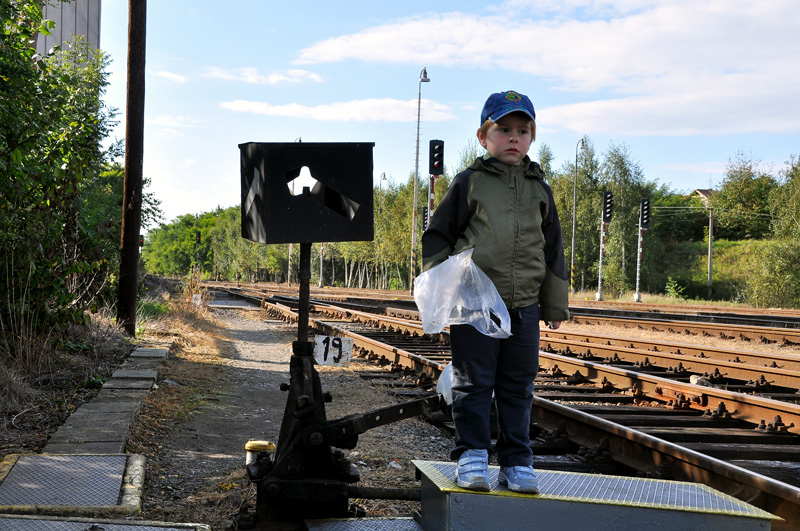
x,y
198,365
35,400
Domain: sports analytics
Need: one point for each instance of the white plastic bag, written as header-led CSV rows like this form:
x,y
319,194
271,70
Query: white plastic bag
x,y
444,385
458,292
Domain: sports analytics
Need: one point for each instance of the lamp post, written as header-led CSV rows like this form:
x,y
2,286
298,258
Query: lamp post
x,y
379,237
423,78
579,145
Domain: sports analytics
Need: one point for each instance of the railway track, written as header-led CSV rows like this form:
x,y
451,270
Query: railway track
x,y
630,404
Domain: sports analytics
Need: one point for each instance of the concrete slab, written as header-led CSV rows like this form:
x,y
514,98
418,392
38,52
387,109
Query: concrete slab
x,y
110,394
147,364
88,448
135,374
157,353
90,431
81,437
118,383
98,431
107,408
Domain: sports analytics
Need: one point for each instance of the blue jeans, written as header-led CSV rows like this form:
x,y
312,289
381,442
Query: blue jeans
x,y
507,367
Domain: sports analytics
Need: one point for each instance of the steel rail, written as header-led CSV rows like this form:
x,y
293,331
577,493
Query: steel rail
x,y
641,451
703,351
754,409
757,333
394,355
693,309
665,360
734,319
634,448
749,408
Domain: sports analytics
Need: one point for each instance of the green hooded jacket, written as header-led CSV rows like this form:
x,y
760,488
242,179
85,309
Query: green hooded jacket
x,y
507,215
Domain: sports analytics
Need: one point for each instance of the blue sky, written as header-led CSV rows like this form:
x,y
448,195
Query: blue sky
x,y
684,84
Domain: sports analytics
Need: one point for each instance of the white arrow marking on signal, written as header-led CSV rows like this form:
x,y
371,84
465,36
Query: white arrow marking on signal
x,y
251,194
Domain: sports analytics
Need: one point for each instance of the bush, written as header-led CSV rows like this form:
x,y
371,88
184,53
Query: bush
x,y
673,289
773,279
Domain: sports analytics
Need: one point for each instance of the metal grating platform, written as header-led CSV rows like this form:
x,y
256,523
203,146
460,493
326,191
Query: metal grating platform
x,y
71,484
31,523
566,498
64,480
362,524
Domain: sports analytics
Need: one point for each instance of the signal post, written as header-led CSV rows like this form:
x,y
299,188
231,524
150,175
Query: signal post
x,y
435,169
605,219
644,223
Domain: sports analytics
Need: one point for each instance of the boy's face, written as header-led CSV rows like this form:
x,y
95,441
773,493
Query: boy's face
x,y
508,139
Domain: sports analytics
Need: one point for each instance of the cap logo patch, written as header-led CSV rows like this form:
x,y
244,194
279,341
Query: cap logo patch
x,y
513,96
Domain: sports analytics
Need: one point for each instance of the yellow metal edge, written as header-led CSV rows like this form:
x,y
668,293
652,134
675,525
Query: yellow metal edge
x,y
69,510
8,463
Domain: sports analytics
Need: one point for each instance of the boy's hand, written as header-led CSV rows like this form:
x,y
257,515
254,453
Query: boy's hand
x,y
554,325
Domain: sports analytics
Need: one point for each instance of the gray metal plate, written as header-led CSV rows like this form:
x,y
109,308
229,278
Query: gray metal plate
x,y
8,523
616,490
363,524
74,480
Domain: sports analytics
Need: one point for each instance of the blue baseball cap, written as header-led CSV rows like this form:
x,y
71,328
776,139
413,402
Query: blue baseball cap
x,y
502,103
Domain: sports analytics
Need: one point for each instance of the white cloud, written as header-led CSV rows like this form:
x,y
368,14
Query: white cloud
x,y
588,8
673,67
251,75
715,106
368,110
171,76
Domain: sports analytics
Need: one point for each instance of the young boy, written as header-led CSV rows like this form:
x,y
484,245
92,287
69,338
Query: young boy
x,y
501,207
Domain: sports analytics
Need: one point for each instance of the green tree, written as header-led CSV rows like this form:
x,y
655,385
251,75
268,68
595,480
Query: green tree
x,y
623,176
52,124
741,205
785,201
545,158
773,280
100,215
587,213
677,217
471,151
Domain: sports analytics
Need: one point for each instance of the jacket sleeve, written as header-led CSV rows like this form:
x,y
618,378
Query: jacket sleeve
x,y
447,223
554,292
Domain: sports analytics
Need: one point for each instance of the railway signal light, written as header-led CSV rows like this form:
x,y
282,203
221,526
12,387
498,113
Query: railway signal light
x,y
608,206
424,218
141,241
436,159
644,214
197,236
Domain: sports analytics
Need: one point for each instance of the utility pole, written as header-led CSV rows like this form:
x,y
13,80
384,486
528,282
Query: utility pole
x,y
134,153
710,247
